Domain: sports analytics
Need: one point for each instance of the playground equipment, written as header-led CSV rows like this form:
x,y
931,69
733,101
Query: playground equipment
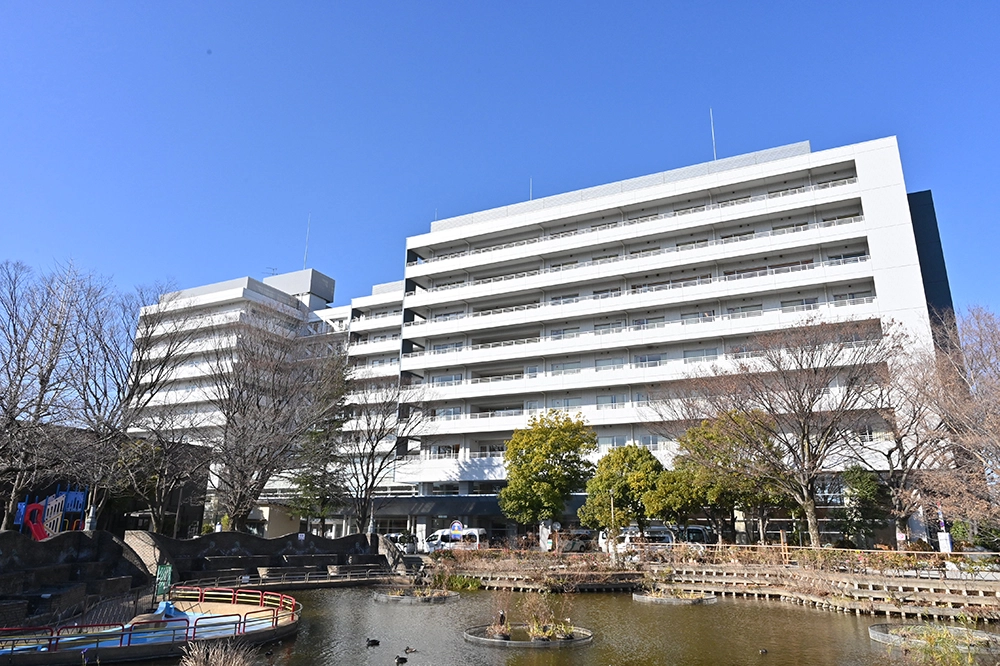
x,y
59,512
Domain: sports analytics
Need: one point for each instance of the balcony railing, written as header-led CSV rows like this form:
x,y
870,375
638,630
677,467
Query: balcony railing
x,y
649,253
666,286
639,220
637,327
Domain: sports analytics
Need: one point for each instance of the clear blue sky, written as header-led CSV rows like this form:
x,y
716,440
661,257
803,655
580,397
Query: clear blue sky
x,y
190,140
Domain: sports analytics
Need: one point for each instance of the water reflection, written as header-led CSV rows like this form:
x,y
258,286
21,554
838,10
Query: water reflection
x,y
336,624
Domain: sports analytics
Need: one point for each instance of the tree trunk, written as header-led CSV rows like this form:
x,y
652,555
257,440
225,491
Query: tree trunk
x,y
901,525
809,509
15,491
238,521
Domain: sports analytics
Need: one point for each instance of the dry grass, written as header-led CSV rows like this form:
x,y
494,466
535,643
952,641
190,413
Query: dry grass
x,y
203,653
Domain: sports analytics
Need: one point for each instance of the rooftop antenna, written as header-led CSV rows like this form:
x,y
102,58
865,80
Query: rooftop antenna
x,y
274,271
711,119
305,257
530,192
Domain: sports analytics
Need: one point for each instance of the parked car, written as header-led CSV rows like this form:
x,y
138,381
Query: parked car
x,y
472,537
695,534
631,539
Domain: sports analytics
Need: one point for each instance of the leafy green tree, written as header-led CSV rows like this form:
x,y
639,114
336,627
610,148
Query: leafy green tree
x,y
546,462
711,461
676,495
625,475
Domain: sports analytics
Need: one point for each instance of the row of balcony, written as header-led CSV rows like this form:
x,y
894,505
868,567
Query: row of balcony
x,y
640,220
666,286
638,327
825,224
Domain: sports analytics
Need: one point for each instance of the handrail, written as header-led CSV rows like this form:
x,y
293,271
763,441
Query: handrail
x,y
680,284
634,327
639,220
651,253
273,608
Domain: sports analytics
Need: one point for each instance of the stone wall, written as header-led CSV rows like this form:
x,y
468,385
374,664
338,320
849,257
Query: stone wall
x,y
238,553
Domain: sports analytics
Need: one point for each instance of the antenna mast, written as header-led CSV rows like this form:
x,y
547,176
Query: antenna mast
x,y
305,257
711,119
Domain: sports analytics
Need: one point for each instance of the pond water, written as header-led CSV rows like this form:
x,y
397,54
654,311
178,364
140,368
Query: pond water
x,y
336,624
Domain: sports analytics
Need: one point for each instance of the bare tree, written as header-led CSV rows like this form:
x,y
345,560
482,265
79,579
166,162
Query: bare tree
x,y
382,418
36,322
914,445
122,357
268,391
806,392
968,397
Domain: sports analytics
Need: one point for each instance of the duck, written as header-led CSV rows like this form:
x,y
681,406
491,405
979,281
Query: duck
x,y
763,650
409,650
372,643
400,660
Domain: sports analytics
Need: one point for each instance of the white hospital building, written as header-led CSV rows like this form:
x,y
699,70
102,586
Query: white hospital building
x,y
590,301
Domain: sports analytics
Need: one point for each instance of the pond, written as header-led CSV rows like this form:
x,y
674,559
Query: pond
x,y
336,624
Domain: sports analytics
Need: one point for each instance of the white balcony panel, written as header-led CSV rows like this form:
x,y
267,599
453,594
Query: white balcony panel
x,y
628,265
373,348
387,322
631,232
629,413
716,288
450,470
676,331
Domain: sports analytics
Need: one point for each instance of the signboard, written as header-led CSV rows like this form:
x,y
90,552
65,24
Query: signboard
x,y
164,576
456,529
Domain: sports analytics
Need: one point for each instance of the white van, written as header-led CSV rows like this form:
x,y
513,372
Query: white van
x,y
472,538
630,539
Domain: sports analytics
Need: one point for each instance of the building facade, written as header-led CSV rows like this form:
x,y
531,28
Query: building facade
x,y
592,301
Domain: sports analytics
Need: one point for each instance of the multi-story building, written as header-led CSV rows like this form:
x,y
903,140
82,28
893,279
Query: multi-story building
x,y
593,300
588,301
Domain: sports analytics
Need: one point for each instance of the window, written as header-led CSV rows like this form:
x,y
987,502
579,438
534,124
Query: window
x,y
690,245
651,442
745,310
605,258
447,380
532,405
638,252
647,360
643,287
446,316
562,265
695,317
610,441
738,236
447,413
565,367
608,363
847,256
640,398
647,321
698,355
611,401
565,403
568,332
844,299
608,327
562,300
790,227
796,304
531,370
446,346
607,293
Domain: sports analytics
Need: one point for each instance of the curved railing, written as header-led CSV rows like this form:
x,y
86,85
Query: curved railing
x,y
273,609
